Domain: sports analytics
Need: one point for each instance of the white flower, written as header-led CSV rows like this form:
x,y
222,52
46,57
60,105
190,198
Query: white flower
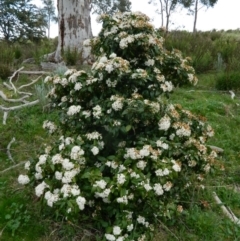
x,y
97,111
176,167
110,237
50,126
39,189
27,165
117,230
102,184
123,199
81,202
57,158
164,123
141,219
94,136
158,189
42,159
58,175
74,109
67,165
76,152
38,176
95,150
117,105
51,198
23,179
149,62
112,56
130,227
147,187
120,238
121,178
86,113
141,164
167,186
109,68
78,86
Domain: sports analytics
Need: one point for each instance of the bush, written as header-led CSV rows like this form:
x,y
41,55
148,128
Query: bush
x,y
5,71
124,157
228,81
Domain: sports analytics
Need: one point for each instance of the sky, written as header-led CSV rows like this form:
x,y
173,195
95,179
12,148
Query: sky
x,y
224,15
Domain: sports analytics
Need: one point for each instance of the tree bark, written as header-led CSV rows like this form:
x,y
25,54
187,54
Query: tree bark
x,y
195,16
74,26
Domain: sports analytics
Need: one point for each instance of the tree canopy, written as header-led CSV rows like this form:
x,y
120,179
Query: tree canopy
x,y
20,19
110,6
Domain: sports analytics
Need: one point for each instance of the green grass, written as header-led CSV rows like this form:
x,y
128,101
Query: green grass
x,y
22,218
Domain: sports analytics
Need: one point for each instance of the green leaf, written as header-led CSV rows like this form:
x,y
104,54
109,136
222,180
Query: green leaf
x,y
128,128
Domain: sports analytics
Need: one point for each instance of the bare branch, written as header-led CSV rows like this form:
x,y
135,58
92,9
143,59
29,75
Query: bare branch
x,y
5,115
35,72
12,167
8,149
19,106
4,97
33,82
11,77
226,210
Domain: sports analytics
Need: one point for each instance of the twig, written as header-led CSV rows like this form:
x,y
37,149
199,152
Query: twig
x,y
12,167
166,228
7,85
33,82
5,115
19,106
227,211
7,109
35,72
5,98
8,149
11,77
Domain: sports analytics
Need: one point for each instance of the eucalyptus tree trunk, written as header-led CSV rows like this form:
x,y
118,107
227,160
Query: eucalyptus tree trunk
x,y
195,16
74,26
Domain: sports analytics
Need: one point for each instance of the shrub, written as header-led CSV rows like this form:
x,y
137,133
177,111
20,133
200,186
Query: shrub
x,y
5,71
124,157
228,81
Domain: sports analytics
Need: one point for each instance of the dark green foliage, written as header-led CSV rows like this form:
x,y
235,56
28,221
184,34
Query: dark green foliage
x,y
21,20
5,71
111,7
228,81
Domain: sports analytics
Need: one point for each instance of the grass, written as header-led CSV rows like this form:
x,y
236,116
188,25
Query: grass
x,y
22,218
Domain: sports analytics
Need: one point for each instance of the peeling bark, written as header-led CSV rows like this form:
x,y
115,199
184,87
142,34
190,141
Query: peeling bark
x,y
74,27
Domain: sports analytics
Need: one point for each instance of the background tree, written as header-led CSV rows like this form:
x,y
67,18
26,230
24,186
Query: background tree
x,y
110,6
74,22
49,13
21,20
195,5
166,9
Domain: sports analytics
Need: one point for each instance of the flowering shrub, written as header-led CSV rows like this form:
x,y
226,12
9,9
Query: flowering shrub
x,y
124,157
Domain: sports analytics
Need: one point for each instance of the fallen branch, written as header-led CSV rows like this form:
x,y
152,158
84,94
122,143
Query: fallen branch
x,y
227,211
35,72
8,149
33,82
19,106
7,109
5,98
12,167
11,77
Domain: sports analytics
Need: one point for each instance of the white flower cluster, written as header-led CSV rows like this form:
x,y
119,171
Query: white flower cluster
x,y
23,179
125,41
164,123
74,109
50,126
97,111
